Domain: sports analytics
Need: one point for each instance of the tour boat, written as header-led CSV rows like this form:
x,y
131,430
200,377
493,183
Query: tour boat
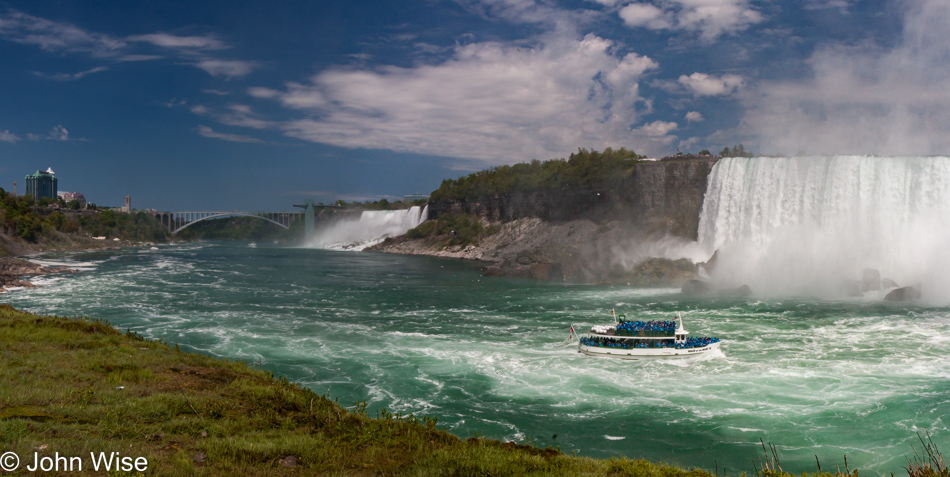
x,y
644,340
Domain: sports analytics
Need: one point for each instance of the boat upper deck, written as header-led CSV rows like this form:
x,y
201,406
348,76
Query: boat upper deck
x,y
638,329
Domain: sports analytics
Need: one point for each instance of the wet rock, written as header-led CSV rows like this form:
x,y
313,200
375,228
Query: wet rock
x,y
695,288
903,294
740,292
888,283
658,272
11,269
710,264
870,280
850,288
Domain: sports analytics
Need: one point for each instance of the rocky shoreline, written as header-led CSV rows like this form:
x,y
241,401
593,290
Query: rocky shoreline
x,y
12,271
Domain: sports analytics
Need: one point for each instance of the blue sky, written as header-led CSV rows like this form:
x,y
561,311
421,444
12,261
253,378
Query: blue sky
x,y
259,105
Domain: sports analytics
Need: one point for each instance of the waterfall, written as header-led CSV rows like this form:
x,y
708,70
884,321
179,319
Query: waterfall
x,y
373,227
809,224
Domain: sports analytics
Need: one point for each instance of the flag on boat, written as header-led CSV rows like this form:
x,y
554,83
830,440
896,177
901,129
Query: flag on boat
x,y
572,332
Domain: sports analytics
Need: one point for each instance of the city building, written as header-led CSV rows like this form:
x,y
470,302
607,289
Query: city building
x,y
42,184
71,196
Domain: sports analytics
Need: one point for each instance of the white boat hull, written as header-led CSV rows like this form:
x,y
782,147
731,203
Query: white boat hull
x,y
647,353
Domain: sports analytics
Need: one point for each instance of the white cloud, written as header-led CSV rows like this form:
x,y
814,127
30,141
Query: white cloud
x,y
864,99
265,93
242,115
59,133
71,76
228,68
235,115
526,11
186,42
702,84
710,18
841,5
215,92
174,102
33,137
208,132
299,96
490,101
55,36
60,37
7,136
130,58
657,129
646,15
695,117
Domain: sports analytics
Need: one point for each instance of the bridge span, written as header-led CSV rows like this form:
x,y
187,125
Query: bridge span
x,y
178,221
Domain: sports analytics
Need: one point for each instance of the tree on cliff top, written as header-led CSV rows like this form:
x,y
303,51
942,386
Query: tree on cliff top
x,y
586,169
736,151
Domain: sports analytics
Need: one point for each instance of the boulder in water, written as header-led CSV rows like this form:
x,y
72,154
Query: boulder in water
x,y
695,288
903,294
710,264
741,292
850,288
658,272
870,280
888,283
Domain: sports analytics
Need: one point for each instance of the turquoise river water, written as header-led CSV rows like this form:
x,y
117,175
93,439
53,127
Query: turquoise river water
x,y
491,356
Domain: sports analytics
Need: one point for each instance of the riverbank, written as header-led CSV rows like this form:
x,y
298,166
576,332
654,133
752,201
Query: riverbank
x,y
78,387
14,253
13,270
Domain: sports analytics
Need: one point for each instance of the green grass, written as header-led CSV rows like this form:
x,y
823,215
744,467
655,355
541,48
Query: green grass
x,y
75,386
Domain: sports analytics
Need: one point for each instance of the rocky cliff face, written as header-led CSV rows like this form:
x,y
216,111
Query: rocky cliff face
x,y
662,197
575,251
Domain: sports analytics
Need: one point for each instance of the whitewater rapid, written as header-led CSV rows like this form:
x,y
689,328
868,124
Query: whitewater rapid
x,y
428,335
806,225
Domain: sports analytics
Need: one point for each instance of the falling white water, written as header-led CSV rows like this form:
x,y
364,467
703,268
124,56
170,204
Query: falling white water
x,y
373,227
805,225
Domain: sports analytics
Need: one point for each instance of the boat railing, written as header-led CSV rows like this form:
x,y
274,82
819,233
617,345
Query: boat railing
x,y
647,333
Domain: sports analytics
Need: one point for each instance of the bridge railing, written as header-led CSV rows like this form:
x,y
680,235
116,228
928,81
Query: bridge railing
x,y
179,220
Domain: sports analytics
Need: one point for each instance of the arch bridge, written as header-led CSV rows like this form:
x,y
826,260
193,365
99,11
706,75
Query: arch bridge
x,y
178,221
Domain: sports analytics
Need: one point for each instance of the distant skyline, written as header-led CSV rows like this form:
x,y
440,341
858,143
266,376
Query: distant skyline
x,y
257,106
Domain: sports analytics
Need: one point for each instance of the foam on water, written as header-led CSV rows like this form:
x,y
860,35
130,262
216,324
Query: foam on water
x,y
827,377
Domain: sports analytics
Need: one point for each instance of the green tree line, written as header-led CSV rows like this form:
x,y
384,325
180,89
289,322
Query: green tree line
x,y
32,221
583,169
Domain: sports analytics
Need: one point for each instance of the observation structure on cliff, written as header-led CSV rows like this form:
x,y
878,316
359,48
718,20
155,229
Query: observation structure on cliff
x,y
308,214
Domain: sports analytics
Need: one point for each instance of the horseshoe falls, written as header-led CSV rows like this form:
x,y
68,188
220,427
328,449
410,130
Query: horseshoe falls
x,y
372,227
809,225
